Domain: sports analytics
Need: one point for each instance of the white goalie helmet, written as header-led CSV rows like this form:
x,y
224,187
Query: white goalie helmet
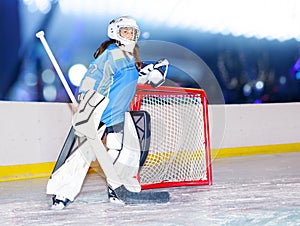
x,y
114,29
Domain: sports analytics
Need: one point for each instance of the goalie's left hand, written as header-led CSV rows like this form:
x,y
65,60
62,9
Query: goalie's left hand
x,y
154,74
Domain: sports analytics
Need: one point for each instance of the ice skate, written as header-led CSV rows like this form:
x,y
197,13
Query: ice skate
x,y
59,203
113,197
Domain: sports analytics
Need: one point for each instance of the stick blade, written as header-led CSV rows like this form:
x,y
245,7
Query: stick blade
x,y
143,197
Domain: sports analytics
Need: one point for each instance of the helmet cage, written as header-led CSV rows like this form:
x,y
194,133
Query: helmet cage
x,y
114,29
136,33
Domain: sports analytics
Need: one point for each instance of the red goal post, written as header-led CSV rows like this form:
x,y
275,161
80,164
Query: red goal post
x,y
179,153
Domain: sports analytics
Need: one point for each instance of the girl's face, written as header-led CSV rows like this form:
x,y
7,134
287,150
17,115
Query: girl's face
x,y
127,32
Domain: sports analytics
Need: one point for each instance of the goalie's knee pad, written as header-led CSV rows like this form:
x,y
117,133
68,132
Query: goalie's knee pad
x,y
91,107
114,143
124,148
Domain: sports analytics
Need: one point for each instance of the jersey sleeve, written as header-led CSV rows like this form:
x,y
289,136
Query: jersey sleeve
x,y
99,74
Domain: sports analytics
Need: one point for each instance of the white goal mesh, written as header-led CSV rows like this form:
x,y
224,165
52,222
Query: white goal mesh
x,y
179,146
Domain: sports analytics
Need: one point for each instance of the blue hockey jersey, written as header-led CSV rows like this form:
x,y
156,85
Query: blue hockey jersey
x,y
114,75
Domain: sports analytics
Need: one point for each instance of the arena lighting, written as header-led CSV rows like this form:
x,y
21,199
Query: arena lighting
x,y
296,69
76,73
43,6
49,92
296,66
269,19
259,85
247,89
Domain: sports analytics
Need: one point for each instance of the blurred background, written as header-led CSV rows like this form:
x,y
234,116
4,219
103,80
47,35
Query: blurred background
x,y
251,46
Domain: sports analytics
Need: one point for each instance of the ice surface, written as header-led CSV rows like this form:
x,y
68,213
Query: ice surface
x,y
252,190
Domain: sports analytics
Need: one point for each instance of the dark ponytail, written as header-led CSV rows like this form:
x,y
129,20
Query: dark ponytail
x,y
138,62
103,47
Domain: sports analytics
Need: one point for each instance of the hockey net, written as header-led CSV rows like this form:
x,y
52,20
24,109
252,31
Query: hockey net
x,y
179,153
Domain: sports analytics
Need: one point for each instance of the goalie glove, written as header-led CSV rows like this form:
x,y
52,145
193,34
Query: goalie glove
x,y
154,74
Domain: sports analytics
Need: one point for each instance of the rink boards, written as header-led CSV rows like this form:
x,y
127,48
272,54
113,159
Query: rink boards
x,y
32,133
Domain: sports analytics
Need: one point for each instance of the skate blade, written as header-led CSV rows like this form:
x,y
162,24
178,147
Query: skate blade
x,y
116,201
58,206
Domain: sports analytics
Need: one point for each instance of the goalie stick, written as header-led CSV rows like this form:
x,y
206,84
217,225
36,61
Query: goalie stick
x,y
102,156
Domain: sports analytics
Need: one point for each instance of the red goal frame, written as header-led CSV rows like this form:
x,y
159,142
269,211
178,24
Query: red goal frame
x,y
136,105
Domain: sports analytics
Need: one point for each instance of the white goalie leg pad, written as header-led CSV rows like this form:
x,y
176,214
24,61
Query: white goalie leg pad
x,y
68,179
114,144
105,162
86,121
125,152
91,107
